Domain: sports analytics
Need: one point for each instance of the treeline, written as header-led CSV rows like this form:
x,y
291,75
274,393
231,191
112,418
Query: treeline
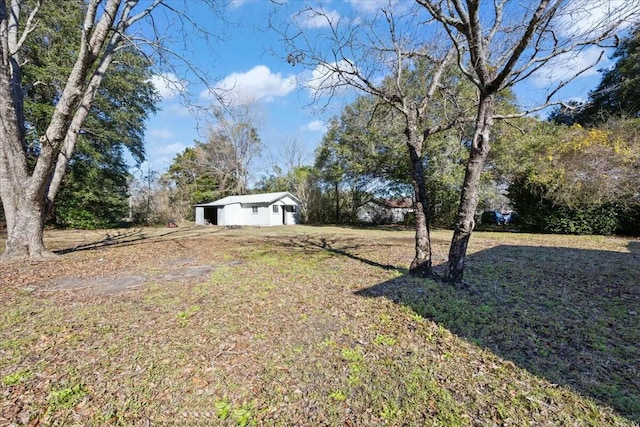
x,y
575,172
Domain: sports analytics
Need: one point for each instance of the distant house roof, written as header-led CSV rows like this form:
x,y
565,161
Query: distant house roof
x,y
263,198
395,203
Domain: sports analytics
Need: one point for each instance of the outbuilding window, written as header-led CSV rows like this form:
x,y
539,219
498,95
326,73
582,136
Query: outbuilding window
x,y
254,210
275,209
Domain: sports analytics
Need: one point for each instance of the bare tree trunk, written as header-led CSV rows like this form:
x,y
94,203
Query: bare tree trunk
x,y
337,193
24,205
421,264
465,221
22,201
71,138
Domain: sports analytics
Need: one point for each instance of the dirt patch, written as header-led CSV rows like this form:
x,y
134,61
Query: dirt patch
x,y
101,284
126,282
185,274
176,262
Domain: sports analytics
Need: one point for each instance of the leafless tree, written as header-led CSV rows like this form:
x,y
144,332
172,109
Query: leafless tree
x,y
292,166
236,127
384,55
28,191
502,43
290,156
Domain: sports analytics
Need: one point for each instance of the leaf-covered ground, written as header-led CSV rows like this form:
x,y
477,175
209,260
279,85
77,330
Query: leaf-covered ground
x,y
315,326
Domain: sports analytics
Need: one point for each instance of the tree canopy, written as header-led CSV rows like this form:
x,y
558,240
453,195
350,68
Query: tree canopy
x,y
618,94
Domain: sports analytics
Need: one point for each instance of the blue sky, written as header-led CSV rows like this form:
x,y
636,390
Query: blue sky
x,y
248,59
245,60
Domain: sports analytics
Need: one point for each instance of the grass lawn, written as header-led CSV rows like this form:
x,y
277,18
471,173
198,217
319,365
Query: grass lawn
x,y
319,326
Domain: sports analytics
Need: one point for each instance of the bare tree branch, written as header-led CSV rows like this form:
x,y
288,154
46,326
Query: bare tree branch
x,y
28,27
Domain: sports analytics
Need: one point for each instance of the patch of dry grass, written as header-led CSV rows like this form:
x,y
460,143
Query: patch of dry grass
x,y
318,326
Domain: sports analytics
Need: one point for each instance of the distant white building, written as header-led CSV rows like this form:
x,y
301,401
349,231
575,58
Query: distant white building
x,y
379,211
253,209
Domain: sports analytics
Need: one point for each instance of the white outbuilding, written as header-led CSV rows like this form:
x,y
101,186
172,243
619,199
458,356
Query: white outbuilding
x,y
253,209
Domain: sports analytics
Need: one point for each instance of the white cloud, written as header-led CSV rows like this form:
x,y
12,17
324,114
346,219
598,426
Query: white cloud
x,y
161,133
368,6
168,85
237,3
566,66
315,126
259,83
170,149
320,18
579,17
161,155
176,109
326,77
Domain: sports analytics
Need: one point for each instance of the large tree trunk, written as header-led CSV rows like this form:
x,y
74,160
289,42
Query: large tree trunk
x,y
23,195
22,201
25,234
24,192
465,221
421,264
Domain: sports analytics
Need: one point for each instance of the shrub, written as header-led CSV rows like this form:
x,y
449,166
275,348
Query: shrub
x,y
537,213
583,220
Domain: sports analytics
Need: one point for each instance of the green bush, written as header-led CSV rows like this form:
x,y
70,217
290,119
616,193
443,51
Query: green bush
x,y
487,217
76,218
537,213
583,220
629,218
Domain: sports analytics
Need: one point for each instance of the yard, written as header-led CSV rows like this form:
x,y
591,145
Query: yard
x,y
315,326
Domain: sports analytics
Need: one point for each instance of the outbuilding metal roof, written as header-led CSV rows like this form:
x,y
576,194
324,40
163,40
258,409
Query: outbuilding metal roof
x,y
263,198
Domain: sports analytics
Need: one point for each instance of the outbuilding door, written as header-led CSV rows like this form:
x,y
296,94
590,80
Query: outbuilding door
x,y
211,214
288,212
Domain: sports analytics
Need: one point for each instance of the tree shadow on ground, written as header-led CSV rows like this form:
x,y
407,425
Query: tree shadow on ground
x,y
133,237
348,250
365,226
570,316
